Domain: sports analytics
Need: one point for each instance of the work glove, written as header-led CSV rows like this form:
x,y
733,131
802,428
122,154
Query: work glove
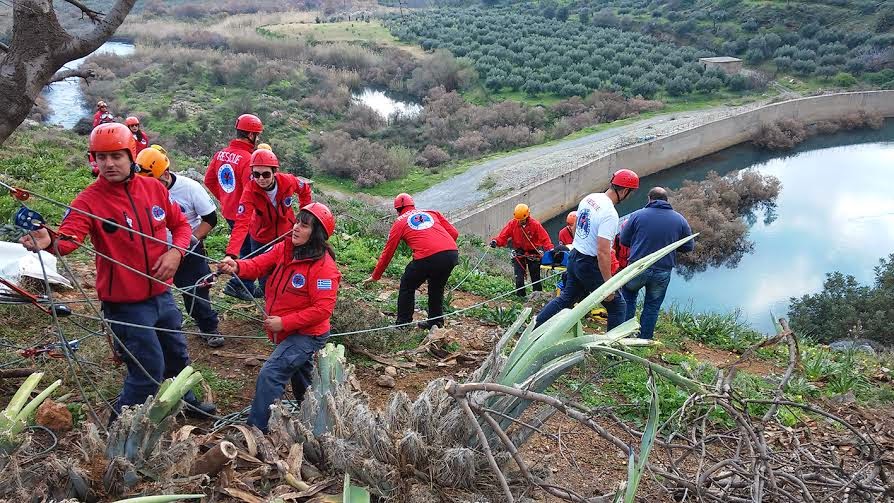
x,y
493,243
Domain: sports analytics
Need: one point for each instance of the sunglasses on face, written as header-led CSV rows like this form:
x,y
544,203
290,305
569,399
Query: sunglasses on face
x,y
258,174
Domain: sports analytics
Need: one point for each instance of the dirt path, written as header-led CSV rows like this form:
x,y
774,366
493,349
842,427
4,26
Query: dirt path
x,y
538,164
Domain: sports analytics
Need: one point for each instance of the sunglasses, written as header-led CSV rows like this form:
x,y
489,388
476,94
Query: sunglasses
x,y
258,174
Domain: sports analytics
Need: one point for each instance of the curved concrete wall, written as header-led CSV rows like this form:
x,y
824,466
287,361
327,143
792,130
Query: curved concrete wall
x,y
550,197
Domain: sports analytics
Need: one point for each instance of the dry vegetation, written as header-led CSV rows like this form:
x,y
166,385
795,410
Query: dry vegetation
x,y
786,133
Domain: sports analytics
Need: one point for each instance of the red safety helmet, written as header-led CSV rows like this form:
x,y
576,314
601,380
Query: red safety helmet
x,y
131,121
250,123
571,219
111,137
403,199
264,158
625,178
324,215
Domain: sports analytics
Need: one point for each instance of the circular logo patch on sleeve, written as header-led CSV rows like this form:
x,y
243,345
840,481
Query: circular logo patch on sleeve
x,y
158,214
287,201
241,209
227,178
420,221
298,280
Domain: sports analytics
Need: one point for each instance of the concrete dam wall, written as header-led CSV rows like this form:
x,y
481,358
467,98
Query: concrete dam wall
x,y
550,197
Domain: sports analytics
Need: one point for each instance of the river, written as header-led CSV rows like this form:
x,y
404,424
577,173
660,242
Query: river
x,y
66,99
834,212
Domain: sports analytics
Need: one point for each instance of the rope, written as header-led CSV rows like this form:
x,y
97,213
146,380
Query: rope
x,y
66,350
472,270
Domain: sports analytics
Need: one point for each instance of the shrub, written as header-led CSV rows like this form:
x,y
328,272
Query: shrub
x,y
471,143
846,308
716,208
365,162
782,134
738,82
441,69
432,156
843,79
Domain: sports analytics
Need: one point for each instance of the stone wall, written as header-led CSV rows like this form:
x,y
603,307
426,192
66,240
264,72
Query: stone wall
x,y
550,197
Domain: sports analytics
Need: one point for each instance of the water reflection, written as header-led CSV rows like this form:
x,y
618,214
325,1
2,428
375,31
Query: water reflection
x,y
834,212
385,105
65,98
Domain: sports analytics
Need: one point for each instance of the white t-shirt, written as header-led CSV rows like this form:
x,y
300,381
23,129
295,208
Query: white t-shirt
x,y
192,198
596,218
271,194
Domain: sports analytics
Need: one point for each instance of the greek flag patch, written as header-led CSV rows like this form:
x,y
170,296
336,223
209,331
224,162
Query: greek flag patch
x,y
324,284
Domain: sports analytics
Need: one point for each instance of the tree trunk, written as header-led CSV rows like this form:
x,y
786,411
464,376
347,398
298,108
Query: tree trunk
x,y
215,459
39,47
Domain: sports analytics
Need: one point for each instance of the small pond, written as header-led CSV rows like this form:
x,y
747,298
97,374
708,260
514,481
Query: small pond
x,y
386,104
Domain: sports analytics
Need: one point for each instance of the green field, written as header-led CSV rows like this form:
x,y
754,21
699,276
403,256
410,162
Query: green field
x,y
344,31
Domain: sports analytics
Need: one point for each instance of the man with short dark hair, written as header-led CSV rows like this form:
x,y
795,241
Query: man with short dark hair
x,y
648,230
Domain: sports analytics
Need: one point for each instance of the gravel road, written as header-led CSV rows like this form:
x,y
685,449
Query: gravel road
x,y
515,171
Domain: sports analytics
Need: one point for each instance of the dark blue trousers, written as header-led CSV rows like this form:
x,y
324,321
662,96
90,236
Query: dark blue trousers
x,y
198,306
162,354
244,250
583,278
291,361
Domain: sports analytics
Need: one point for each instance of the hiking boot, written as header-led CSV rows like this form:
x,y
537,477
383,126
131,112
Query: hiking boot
x,y
428,324
236,292
213,339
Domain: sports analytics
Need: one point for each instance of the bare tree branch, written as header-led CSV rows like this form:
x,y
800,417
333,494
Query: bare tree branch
x,y
4,47
77,72
86,11
105,28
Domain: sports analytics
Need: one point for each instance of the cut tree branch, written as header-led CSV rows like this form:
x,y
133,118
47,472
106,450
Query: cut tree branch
x,y
77,72
94,16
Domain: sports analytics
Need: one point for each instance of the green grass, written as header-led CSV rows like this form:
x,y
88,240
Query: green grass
x,y
343,31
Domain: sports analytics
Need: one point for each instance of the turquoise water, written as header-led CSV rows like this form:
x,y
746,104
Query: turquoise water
x,y
835,212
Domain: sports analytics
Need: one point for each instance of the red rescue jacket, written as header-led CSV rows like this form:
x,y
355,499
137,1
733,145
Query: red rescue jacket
x,y
263,220
620,253
301,292
426,232
142,141
527,237
565,236
102,118
227,174
141,204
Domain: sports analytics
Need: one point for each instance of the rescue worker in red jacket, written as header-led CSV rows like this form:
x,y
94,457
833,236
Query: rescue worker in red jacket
x,y
566,235
304,285
265,211
139,136
226,176
433,242
102,115
128,204
529,241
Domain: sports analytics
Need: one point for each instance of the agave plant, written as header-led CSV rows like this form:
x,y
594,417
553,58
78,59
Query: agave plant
x,y
429,441
14,418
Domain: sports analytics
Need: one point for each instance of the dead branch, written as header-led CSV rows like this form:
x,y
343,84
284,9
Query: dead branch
x,y
215,459
464,403
77,72
86,11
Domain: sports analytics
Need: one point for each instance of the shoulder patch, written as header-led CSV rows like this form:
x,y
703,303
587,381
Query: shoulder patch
x,y
158,214
287,201
324,284
420,221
